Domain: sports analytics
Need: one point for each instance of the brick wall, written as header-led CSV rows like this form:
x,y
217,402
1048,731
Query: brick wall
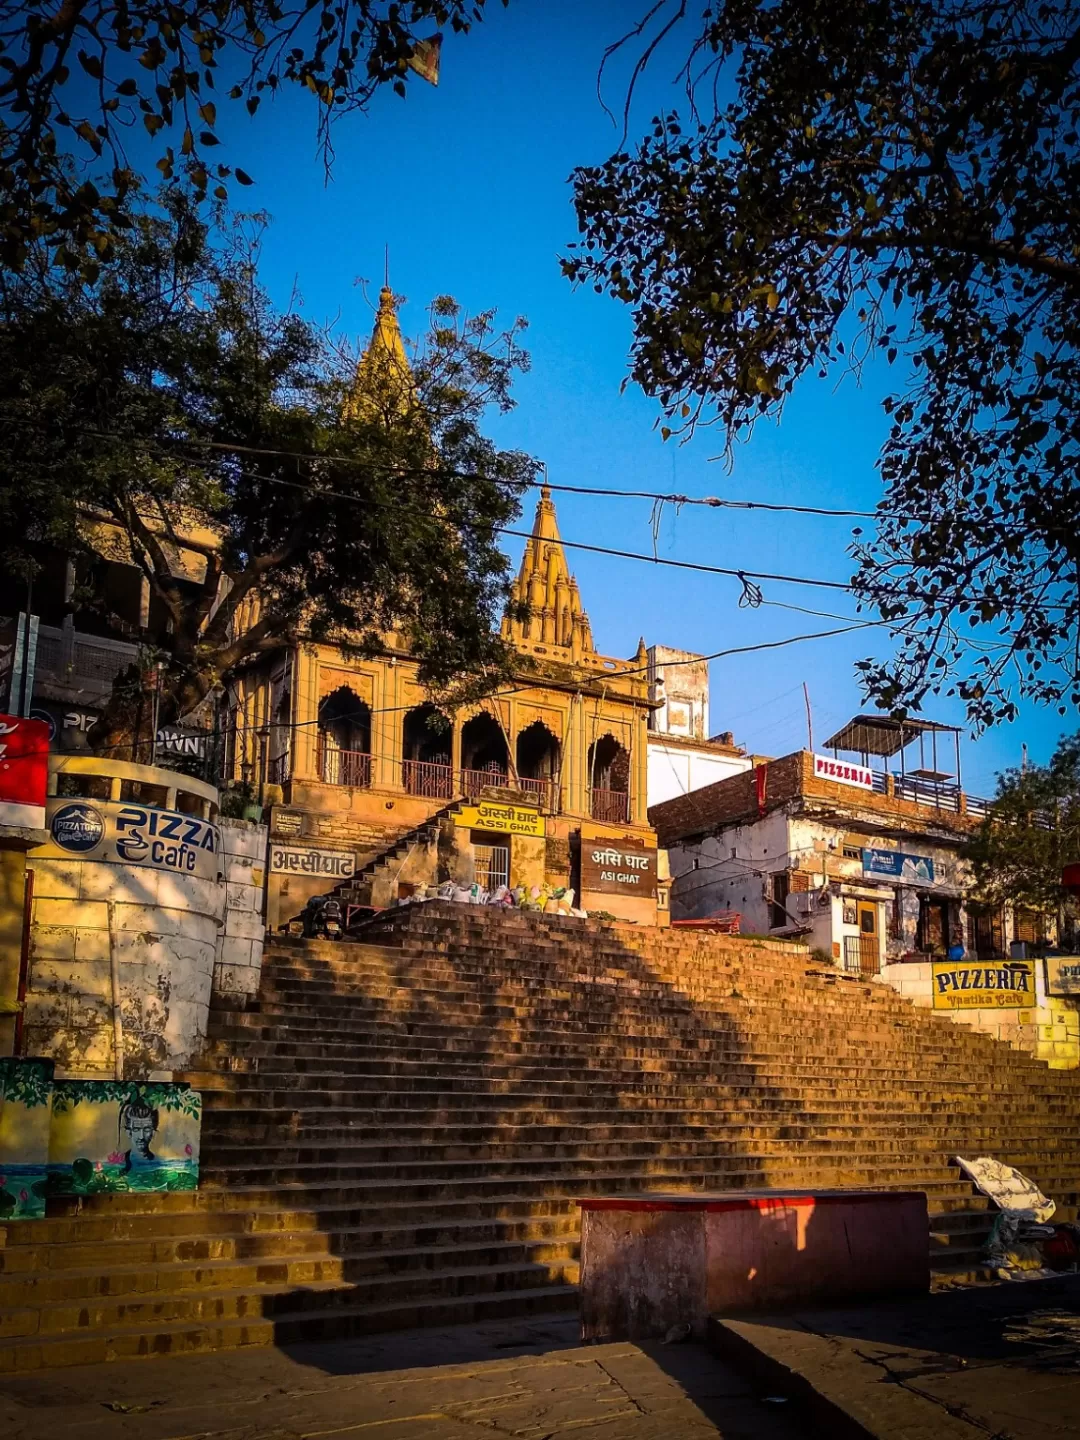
x,y
727,801
734,801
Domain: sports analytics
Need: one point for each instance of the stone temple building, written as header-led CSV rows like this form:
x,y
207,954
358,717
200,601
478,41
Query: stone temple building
x,y
358,760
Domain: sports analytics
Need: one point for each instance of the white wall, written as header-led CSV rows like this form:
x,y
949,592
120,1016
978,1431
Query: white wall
x,y
170,934
675,770
725,877
238,967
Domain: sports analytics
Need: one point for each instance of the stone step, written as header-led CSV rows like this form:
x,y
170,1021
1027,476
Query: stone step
x,y
392,1183
286,1328
397,1133
445,1152
103,1257
370,1265
243,1132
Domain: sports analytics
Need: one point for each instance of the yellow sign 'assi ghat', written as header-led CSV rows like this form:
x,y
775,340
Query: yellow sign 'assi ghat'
x,y
504,819
975,985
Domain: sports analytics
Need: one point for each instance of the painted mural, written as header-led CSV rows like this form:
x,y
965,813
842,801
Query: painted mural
x,y
26,1088
110,1135
91,1137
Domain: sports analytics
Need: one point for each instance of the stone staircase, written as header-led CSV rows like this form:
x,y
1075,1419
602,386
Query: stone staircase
x,y
397,1134
375,882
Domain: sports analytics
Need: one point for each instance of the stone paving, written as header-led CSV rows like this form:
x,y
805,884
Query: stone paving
x,y
529,1379
1000,1361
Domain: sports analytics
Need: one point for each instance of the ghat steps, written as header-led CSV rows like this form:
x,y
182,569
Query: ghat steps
x,y
397,1134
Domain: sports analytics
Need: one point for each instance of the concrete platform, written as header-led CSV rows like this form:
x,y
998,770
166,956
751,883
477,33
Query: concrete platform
x,y
530,1379
998,1361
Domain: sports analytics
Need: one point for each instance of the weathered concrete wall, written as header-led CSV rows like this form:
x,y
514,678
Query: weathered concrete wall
x,y
238,966
128,915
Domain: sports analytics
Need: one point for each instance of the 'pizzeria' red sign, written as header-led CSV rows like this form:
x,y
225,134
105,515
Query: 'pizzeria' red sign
x,y
845,773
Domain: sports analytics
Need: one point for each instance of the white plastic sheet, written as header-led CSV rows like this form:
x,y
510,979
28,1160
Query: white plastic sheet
x,y
1008,1189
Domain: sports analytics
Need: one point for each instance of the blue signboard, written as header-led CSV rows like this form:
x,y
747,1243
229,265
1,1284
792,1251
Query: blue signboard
x,y
898,865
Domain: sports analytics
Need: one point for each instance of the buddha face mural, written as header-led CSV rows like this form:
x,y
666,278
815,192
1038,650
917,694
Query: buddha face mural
x,y
138,1121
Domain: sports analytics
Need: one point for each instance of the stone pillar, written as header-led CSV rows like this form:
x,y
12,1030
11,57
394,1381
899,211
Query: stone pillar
x,y
386,728
238,964
639,780
306,711
577,790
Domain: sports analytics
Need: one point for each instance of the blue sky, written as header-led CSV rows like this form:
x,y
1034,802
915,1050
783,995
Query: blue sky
x,y
468,185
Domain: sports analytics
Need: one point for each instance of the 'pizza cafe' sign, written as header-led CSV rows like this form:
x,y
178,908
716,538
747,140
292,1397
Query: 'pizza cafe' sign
x,y
618,869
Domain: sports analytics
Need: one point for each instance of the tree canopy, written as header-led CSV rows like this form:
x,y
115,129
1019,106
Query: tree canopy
x,y
1031,832
80,78
891,178
171,407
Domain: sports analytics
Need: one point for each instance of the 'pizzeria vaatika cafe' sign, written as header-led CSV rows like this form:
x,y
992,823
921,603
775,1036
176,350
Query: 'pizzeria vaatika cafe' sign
x,y
972,985
618,869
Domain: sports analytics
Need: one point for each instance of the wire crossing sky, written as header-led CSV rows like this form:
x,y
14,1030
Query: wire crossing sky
x,y
467,186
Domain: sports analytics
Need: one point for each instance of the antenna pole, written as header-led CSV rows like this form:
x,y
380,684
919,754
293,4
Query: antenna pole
x,y
809,717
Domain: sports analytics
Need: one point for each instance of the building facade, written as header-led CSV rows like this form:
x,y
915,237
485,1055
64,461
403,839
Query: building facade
x,y
354,757
681,757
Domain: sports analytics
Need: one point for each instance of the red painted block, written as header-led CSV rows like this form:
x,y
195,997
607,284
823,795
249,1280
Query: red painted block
x,y
649,1262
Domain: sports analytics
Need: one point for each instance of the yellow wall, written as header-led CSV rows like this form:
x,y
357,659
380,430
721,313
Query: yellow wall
x,y
12,899
1059,1033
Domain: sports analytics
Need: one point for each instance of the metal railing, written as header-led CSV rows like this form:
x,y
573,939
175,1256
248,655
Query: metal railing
x,y
434,780
545,791
345,767
927,792
612,807
935,794
473,781
861,955
277,769
70,656
492,865
428,779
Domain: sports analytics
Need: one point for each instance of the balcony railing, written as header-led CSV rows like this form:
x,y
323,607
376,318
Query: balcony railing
x,y
937,795
546,792
433,780
473,781
428,779
345,767
277,769
612,807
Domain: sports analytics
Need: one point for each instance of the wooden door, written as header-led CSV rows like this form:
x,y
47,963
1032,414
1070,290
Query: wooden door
x,y
869,939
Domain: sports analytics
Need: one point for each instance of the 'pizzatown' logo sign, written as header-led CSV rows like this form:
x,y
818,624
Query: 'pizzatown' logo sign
x,y
963,985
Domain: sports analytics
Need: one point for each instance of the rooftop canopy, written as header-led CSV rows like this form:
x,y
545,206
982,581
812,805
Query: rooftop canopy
x,y
882,735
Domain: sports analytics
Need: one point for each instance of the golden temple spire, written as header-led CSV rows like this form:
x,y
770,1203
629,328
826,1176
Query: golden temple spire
x,y
384,378
545,584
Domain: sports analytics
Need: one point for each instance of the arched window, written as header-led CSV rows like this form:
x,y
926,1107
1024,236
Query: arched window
x,y
484,757
426,767
609,781
538,759
344,744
